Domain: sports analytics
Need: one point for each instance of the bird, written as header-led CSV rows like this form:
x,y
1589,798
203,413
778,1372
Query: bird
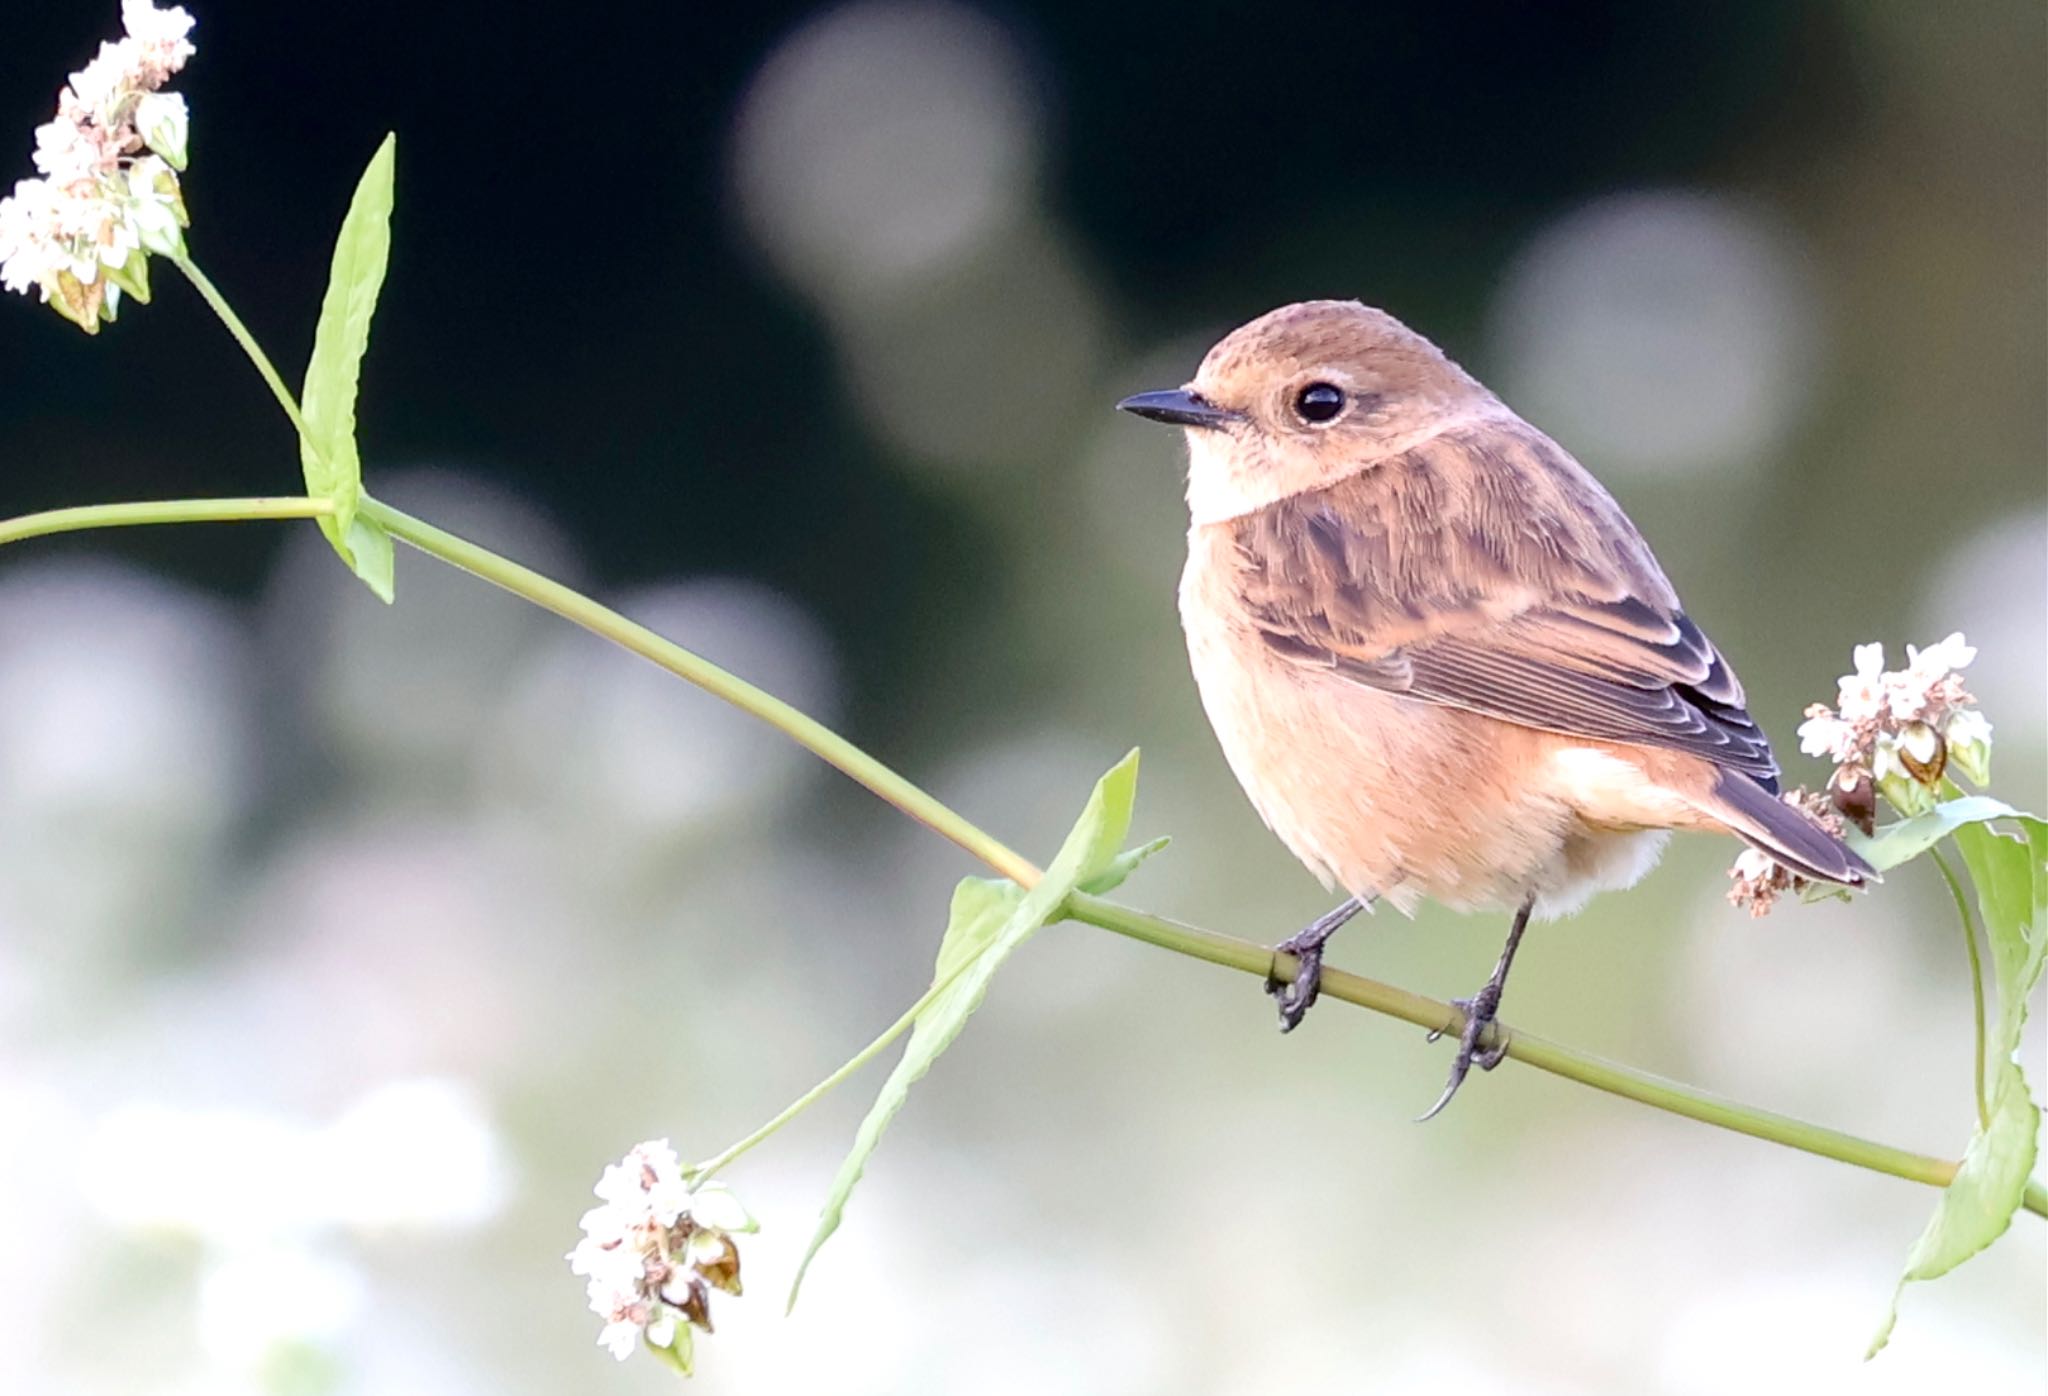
x,y
1438,657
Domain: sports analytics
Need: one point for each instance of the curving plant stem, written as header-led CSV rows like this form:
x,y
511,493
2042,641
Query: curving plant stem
x,y
1244,956
1556,1058
164,511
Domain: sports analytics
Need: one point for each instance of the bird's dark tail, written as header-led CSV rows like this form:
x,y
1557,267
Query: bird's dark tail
x,y
1786,832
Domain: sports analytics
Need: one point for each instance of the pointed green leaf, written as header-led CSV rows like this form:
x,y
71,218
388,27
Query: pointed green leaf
x,y
2010,874
1909,838
2011,877
369,552
681,1352
989,920
1121,867
327,450
1978,1205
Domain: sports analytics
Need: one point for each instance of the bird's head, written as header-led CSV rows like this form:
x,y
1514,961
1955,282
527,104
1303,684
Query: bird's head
x,y
1304,396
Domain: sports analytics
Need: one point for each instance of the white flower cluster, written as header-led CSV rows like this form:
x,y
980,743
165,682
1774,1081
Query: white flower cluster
x,y
1901,729
1891,731
81,234
655,1250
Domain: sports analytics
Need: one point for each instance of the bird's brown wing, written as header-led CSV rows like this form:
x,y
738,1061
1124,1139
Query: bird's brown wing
x,y
1489,572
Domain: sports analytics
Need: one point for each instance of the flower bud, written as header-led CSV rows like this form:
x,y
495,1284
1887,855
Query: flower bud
x,y
1854,796
156,207
1968,736
716,1260
78,301
1922,752
1905,794
165,125
132,275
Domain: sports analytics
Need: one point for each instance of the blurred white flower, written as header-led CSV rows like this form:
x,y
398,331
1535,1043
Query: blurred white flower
x,y
883,139
256,1301
417,1154
1664,331
655,1250
1992,579
78,234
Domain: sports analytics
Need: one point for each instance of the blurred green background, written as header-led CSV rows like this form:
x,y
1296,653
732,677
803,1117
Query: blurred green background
x,y
340,947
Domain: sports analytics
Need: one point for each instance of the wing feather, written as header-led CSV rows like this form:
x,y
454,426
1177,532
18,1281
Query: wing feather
x,y
1487,571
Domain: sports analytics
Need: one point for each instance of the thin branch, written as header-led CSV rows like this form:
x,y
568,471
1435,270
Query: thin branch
x,y
1531,1050
1969,919
1583,1067
164,511
1201,944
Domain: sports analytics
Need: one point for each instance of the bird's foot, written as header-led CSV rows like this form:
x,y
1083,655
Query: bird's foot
x,y
1297,995
1479,1011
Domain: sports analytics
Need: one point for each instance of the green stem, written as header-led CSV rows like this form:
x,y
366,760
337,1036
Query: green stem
x,y
1545,1055
806,731
1955,889
159,511
1188,940
264,368
1244,956
711,1167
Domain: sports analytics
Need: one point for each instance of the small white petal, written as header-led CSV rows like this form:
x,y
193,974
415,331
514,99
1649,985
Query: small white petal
x,y
621,1336
1968,727
713,1205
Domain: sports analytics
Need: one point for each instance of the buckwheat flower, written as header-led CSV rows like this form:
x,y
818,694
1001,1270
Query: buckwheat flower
x,y
1824,734
1860,695
1969,744
653,1252
1900,731
1757,880
80,234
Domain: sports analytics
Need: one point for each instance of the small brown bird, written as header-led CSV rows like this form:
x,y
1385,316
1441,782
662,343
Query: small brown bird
x,y
1438,656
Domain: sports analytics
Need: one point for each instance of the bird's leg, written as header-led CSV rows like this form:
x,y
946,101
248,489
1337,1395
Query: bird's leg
x,y
1479,1011
1306,946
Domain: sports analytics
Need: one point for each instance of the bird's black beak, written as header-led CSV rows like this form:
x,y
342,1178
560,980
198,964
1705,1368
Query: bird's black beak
x,y
1179,407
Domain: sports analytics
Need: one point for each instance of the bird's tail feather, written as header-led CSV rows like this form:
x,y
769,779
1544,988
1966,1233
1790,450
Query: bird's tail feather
x,y
1785,832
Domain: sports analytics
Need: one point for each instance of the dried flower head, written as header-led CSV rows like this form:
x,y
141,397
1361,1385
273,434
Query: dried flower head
x,y
81,234
1757,879
655,1250
1900,730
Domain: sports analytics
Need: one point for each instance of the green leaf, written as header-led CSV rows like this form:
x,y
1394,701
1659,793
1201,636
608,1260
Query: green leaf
x,y
989,920
1909,838
2011,878
1121,867
370,554
1978,1205
327,403
681,1354
2010,875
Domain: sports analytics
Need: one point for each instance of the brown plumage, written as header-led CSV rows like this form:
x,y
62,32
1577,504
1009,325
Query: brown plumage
x,y
1440,659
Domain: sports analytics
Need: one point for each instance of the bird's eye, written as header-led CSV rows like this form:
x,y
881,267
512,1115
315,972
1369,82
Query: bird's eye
x,y
1319,403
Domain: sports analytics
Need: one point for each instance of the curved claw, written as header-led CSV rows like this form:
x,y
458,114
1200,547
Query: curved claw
x,y
1478,1013
1450,1089
1298,995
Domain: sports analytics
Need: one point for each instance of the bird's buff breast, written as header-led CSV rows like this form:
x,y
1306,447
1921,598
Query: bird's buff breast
x,y
1389,796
